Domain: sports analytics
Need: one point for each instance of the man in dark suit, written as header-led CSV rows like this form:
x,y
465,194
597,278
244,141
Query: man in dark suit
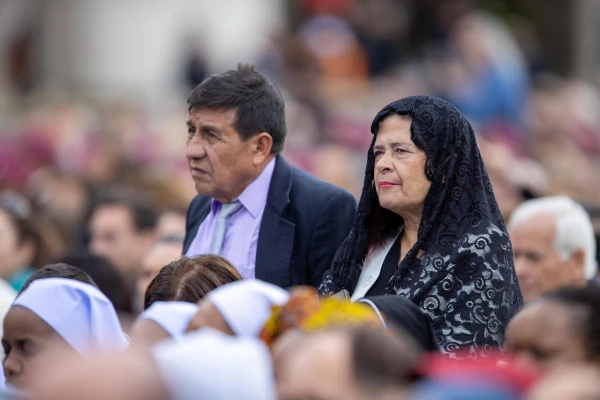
x,y
274,222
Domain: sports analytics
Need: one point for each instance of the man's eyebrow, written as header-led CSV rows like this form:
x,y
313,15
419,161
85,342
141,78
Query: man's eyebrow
x,y
189,123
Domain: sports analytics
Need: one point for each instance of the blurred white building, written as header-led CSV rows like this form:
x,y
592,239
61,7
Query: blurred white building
x,y
134,47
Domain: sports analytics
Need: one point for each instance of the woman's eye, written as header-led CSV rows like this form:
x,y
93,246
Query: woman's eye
x,y
26,347
399,150
538,354
6,348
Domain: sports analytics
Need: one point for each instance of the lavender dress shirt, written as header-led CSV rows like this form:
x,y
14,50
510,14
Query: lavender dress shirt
x,y
243,227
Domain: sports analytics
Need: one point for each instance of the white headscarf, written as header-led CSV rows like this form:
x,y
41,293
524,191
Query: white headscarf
x,y
7,296
208,364
83,316
172,316
247,305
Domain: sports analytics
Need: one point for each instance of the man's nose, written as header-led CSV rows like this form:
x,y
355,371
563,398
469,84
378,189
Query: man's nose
x,y
195,148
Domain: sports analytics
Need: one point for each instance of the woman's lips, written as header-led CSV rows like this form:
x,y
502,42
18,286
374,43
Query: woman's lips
x,y
386,184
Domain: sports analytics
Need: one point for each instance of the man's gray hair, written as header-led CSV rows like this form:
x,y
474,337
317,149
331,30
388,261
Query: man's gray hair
x,y
574,228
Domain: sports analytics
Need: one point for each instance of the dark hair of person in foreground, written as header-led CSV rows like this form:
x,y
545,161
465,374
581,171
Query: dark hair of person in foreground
x,y
189,279
59,270
104,274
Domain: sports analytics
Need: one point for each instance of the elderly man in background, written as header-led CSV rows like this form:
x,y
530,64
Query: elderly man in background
x,y
554,245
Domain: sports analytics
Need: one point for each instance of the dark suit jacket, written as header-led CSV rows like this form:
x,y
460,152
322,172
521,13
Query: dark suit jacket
x,y
303,225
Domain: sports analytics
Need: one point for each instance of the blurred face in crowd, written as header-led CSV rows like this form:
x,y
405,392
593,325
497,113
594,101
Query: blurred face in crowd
x,y
209,316
539,267
146,333
221,163
114,236
318,367
171,225
400,179
31,347
133,375
573,383
14,254
547,334
159,255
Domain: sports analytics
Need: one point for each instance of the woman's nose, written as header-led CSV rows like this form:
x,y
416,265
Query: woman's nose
x,y
384,164
12,367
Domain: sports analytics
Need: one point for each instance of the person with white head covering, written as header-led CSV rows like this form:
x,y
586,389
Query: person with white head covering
x,y
54,319
554,245
240,308
208,364
162,320
7,296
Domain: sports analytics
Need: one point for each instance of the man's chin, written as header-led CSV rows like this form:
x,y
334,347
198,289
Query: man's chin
x,y
203,189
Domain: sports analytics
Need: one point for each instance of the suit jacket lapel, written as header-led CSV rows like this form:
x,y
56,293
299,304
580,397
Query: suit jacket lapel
x,y
276,236
200,214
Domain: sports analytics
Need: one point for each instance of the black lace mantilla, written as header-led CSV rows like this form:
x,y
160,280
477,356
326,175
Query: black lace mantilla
x,y
460,271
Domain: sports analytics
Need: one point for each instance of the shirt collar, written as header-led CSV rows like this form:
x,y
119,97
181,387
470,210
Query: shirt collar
x,y
254,197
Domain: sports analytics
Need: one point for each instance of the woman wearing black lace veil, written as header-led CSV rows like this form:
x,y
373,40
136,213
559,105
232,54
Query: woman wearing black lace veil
x,y
428,228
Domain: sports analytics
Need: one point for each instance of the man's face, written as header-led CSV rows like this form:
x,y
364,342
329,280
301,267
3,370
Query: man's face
x,y
546,334
114,236
158,256
221,163
320,371
539,267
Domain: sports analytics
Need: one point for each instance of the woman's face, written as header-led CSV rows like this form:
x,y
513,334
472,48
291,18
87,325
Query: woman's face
x,y
13,255
545,334
146,333
31,347
400,179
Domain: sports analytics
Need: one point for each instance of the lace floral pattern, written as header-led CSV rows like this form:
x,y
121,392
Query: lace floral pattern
x,y
460,271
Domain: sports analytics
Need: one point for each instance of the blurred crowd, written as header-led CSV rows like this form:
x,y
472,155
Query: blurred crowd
x,y
337,68
105,186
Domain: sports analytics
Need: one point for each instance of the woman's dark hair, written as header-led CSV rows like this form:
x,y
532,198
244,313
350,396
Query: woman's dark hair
x,y
59,270
189,279
588,300
257,101
28,226
106,276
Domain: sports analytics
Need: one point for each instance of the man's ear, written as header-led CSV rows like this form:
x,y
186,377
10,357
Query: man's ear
x,y
261,146
578,265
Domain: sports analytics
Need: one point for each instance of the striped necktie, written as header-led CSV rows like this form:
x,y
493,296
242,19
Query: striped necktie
x,y
227,210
